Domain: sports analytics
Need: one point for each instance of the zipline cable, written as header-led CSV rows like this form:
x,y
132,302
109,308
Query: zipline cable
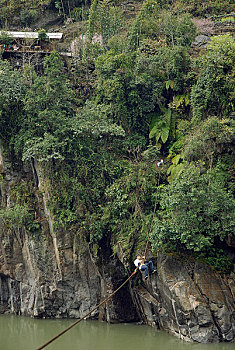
x,y
112,294
87,314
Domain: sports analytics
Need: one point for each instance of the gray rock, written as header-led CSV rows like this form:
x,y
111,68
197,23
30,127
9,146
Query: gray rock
x,y
56,275
196,306
205,335
201,40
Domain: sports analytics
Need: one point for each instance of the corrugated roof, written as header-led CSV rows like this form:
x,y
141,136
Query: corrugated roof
x,y
32,35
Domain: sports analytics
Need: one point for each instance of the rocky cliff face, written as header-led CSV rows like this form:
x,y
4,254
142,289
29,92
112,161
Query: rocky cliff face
x,y
55,274
32,284
188,300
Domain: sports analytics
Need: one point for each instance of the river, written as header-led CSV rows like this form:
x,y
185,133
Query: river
x,y
24,333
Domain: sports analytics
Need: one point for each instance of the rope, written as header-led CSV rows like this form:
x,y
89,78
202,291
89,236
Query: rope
x,y
87,314
111,295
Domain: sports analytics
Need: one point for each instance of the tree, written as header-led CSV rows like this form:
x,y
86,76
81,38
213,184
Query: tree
x,y
125,213
196,213
114,89
210,141
28,16
12,92
139,86
5,38
213,93
92,19
160,77
145,24
48,109
177,30
42,35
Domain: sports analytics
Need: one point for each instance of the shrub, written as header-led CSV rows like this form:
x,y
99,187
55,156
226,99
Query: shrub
x,y
196,211
27,17
5,38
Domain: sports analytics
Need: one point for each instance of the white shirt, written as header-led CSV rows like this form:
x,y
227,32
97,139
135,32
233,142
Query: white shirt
x,y
136,262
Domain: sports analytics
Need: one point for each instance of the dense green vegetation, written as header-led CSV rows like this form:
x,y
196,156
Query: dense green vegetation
x,y
138,95
28,12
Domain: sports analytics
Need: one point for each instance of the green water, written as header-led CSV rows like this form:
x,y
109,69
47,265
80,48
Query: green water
x,y
23,333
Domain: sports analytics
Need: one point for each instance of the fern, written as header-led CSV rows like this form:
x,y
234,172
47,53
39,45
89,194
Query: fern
x,y
163,125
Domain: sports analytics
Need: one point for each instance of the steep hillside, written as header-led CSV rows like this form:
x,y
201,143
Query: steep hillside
x,y
83,187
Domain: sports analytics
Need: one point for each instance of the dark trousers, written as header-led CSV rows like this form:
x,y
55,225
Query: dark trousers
x,y
147,267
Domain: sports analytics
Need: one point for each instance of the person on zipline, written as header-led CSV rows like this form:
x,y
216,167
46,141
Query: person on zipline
x,y
146,266
159,163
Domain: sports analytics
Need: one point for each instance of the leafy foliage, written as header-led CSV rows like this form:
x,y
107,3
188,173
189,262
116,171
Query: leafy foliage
x,y
218,260
12,91
210,140
16,219
137,92
27,17
127,212
196,211
42,35
48,106
138,86
177,30
199,8
9,9
5,38
213,92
